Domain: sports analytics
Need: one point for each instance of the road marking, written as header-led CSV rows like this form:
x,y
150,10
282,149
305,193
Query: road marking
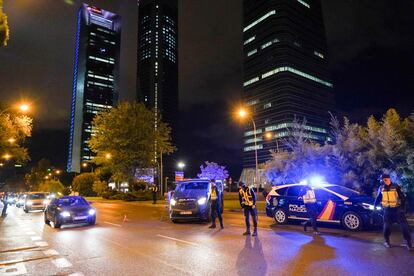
x,y
17,269
13,262
36,238
18,249
114,224
61,263
76,274
51,252
42,244
174,239
30,233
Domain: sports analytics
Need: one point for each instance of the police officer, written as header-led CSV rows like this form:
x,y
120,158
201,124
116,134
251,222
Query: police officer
x,y
5,203
247,199
154,190
215,197
309,199
393,201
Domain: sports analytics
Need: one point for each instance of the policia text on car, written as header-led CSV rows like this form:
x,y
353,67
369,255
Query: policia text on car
x,y
393,202
247,199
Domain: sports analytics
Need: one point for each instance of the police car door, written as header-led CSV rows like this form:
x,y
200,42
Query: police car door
x,y
296,207
327,203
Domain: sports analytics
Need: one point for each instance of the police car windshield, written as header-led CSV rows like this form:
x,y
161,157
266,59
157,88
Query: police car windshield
x,y
342,191
192,186
71,201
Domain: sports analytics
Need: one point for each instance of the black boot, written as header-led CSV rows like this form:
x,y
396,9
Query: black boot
x,y
212,226
247,232
305,226
387,244
221,225
254,232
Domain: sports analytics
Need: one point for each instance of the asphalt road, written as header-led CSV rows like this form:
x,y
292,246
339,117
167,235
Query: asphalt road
x,y
147,243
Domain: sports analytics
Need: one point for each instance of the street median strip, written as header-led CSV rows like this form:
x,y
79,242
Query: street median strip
x,y
13,262
19,249
114,224
178,240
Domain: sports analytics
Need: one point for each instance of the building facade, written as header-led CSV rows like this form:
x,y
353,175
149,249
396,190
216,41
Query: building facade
x,y
286,76
157,66
95,79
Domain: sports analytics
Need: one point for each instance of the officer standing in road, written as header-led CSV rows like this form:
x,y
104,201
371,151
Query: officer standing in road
x,y
5,203
154,191
309,199
215,197
393,202
247,199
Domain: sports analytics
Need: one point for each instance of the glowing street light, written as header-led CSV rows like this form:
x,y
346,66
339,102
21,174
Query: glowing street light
x,y
242,113
7,156
58,171
108,156
181,165
84,164
269,136
24,107
11,140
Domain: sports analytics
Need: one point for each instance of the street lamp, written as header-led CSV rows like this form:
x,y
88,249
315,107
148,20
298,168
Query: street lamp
x,y
24,107
11,140
7,156
242,113
108,156
270,136
181,165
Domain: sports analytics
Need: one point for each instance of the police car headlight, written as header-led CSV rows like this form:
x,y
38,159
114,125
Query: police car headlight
x,y
173,202
65,214
369,206
91,212
202,201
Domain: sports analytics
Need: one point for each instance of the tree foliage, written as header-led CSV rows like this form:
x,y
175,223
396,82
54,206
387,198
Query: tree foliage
x,y
128,133
14,129
4,26
83,184
355,158
99,187
212,170
52,186
37,174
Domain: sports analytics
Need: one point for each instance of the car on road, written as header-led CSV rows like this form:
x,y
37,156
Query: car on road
x,y
191,200
69,210
336,205
36,201
20,200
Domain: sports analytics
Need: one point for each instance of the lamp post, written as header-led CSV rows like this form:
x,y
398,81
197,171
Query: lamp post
x,y
242,114
270,136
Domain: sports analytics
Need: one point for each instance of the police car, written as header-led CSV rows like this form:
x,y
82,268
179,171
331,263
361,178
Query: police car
x,y
336,204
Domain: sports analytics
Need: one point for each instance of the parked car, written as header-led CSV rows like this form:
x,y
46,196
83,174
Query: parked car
x,y
36,201
69,210
336,204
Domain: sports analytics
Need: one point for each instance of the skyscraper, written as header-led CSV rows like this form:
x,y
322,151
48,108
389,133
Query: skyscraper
x,y
95,77
157,80
285,73
157,72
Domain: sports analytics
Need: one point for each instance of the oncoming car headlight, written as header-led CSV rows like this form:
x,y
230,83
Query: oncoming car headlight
x,y
173,202
65,214
91,212
45,202
202,201
29,202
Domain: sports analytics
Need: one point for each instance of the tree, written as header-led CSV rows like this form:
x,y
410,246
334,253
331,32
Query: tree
x,y
37,174
83,184
212,170
127,132
4,26
99,187
14,129
52,186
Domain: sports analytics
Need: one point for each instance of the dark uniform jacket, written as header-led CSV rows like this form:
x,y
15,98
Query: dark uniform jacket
x,y
250,193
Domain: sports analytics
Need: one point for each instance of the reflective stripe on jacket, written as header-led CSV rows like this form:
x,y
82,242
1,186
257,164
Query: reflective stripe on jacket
x,y
390,198
309,196
246,197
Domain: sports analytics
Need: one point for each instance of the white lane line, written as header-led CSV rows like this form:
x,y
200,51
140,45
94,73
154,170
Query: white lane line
x,y
76,274
36,238
178,240
30,233
16,269
51,252
114,224
42,244
61,263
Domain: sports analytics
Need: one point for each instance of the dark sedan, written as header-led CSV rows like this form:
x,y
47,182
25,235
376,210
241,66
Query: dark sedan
x,y
69,210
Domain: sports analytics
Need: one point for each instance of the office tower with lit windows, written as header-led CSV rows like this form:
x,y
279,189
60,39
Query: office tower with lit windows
x,y
95,79
285,73
157,72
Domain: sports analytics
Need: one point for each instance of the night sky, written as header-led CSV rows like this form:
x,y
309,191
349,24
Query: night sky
x,y
370,43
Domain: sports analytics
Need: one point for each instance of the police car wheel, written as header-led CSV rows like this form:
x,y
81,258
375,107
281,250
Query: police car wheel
x,y
352,221
280,216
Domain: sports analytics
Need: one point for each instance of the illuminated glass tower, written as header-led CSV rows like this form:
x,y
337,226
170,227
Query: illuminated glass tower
x,y
157,79
95,79
285,73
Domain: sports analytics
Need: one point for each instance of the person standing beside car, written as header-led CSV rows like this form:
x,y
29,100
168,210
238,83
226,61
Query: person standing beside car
x,y
247,199
393,203
309,199
215,197
154,190
5,203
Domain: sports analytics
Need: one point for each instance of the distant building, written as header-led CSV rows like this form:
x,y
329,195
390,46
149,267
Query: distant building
x,y
157,72
285,73
95,77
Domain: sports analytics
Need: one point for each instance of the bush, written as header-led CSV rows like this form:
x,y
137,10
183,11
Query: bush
x,y
83,184
52,186
99,187
109,194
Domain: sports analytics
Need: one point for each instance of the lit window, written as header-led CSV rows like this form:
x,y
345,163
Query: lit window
x,y
297,72
252,102
267,105
252,52
251,25
246,83
267,44
249,40
249,141
251,132
316,53
253,148
304,3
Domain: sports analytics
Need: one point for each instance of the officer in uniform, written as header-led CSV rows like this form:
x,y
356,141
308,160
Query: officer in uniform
x,y
309,199
247,199
393,202
154,190
215,197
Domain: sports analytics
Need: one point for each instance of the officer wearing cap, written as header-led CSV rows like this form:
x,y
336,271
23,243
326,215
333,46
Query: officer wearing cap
x,y
247,199
393,201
